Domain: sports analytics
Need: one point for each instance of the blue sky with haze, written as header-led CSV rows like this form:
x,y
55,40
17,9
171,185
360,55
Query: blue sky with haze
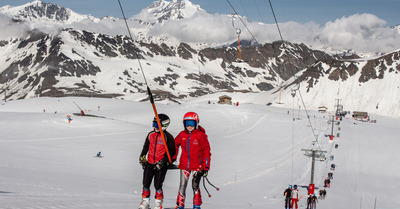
x,y
334,25
317,11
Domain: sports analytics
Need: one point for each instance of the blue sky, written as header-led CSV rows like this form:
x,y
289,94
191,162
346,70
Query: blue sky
x,y
302,11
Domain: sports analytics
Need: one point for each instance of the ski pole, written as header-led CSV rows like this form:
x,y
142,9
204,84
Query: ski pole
x,y
211,184
204,184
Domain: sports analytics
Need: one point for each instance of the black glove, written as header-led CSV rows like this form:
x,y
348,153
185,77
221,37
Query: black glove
x,y
143,161
204,173
158,166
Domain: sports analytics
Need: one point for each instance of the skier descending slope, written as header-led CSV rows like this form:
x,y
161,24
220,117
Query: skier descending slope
x,y
195,158
155,164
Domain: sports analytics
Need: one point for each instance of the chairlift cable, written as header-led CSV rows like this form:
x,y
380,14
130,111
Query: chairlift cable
x,y
298,87
276,22
258,10
148,88
262,19
244,9
236,13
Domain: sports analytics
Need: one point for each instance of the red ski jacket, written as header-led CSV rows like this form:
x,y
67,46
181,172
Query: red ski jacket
x,y
195,150
155,149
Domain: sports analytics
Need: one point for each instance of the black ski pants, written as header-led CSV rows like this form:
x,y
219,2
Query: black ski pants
x,y
159,176
288,202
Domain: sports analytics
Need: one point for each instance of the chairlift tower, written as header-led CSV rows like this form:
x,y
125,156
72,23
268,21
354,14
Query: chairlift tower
x,y
339,107
5,93
333,122
238,32
280,92
315,155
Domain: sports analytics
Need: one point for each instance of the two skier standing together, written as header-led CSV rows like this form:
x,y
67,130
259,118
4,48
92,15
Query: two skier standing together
x,y
292,198
195,159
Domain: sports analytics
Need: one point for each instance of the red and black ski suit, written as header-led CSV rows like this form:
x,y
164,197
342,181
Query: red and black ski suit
x,y
196,157
154,148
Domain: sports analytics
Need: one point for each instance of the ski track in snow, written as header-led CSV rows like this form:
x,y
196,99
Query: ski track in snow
x,y
247,130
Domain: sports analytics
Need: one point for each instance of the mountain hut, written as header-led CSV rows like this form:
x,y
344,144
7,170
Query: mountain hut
x,y
322,109
224,99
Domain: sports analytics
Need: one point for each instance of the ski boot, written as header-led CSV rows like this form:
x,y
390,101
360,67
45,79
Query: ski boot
x,y
145,204
158,204
180,201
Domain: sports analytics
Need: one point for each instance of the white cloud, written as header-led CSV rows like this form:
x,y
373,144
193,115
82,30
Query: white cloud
x,y
104,26
199,28
10,29
362,32
359,32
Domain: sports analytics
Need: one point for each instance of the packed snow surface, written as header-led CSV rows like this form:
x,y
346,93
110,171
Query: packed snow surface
x,y
47,162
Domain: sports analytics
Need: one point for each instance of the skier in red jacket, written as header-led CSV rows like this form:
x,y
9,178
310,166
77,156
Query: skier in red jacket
x,y
195,158
154,161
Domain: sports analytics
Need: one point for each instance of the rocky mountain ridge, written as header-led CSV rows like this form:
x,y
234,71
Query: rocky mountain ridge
x,y
81,63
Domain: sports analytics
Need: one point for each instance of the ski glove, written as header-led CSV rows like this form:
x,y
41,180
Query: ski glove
x,y
158,166
204,173
143,161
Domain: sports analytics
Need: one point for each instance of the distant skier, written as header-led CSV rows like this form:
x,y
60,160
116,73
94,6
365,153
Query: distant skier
x,y
154,161
69,118
327,182
195,157
98,154
330,175
314,201
333,166
295,196
309,202
287,194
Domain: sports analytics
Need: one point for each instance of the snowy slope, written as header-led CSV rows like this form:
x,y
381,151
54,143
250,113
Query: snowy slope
x,y
256,153
37,11
161,10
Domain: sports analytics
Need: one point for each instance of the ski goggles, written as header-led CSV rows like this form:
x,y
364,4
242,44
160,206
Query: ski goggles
x,y
155,124
190,123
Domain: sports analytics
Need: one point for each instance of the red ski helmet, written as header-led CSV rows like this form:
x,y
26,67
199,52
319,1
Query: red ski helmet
x,y
191,116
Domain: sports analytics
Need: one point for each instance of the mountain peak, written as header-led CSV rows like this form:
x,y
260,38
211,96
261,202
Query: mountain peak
x,y
39,11
162,10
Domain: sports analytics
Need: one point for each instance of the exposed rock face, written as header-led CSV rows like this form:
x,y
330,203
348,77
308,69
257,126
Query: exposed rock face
x,y
41,65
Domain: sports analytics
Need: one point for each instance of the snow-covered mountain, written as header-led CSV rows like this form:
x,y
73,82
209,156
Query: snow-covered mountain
x,y
162,10
37,11
72,61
